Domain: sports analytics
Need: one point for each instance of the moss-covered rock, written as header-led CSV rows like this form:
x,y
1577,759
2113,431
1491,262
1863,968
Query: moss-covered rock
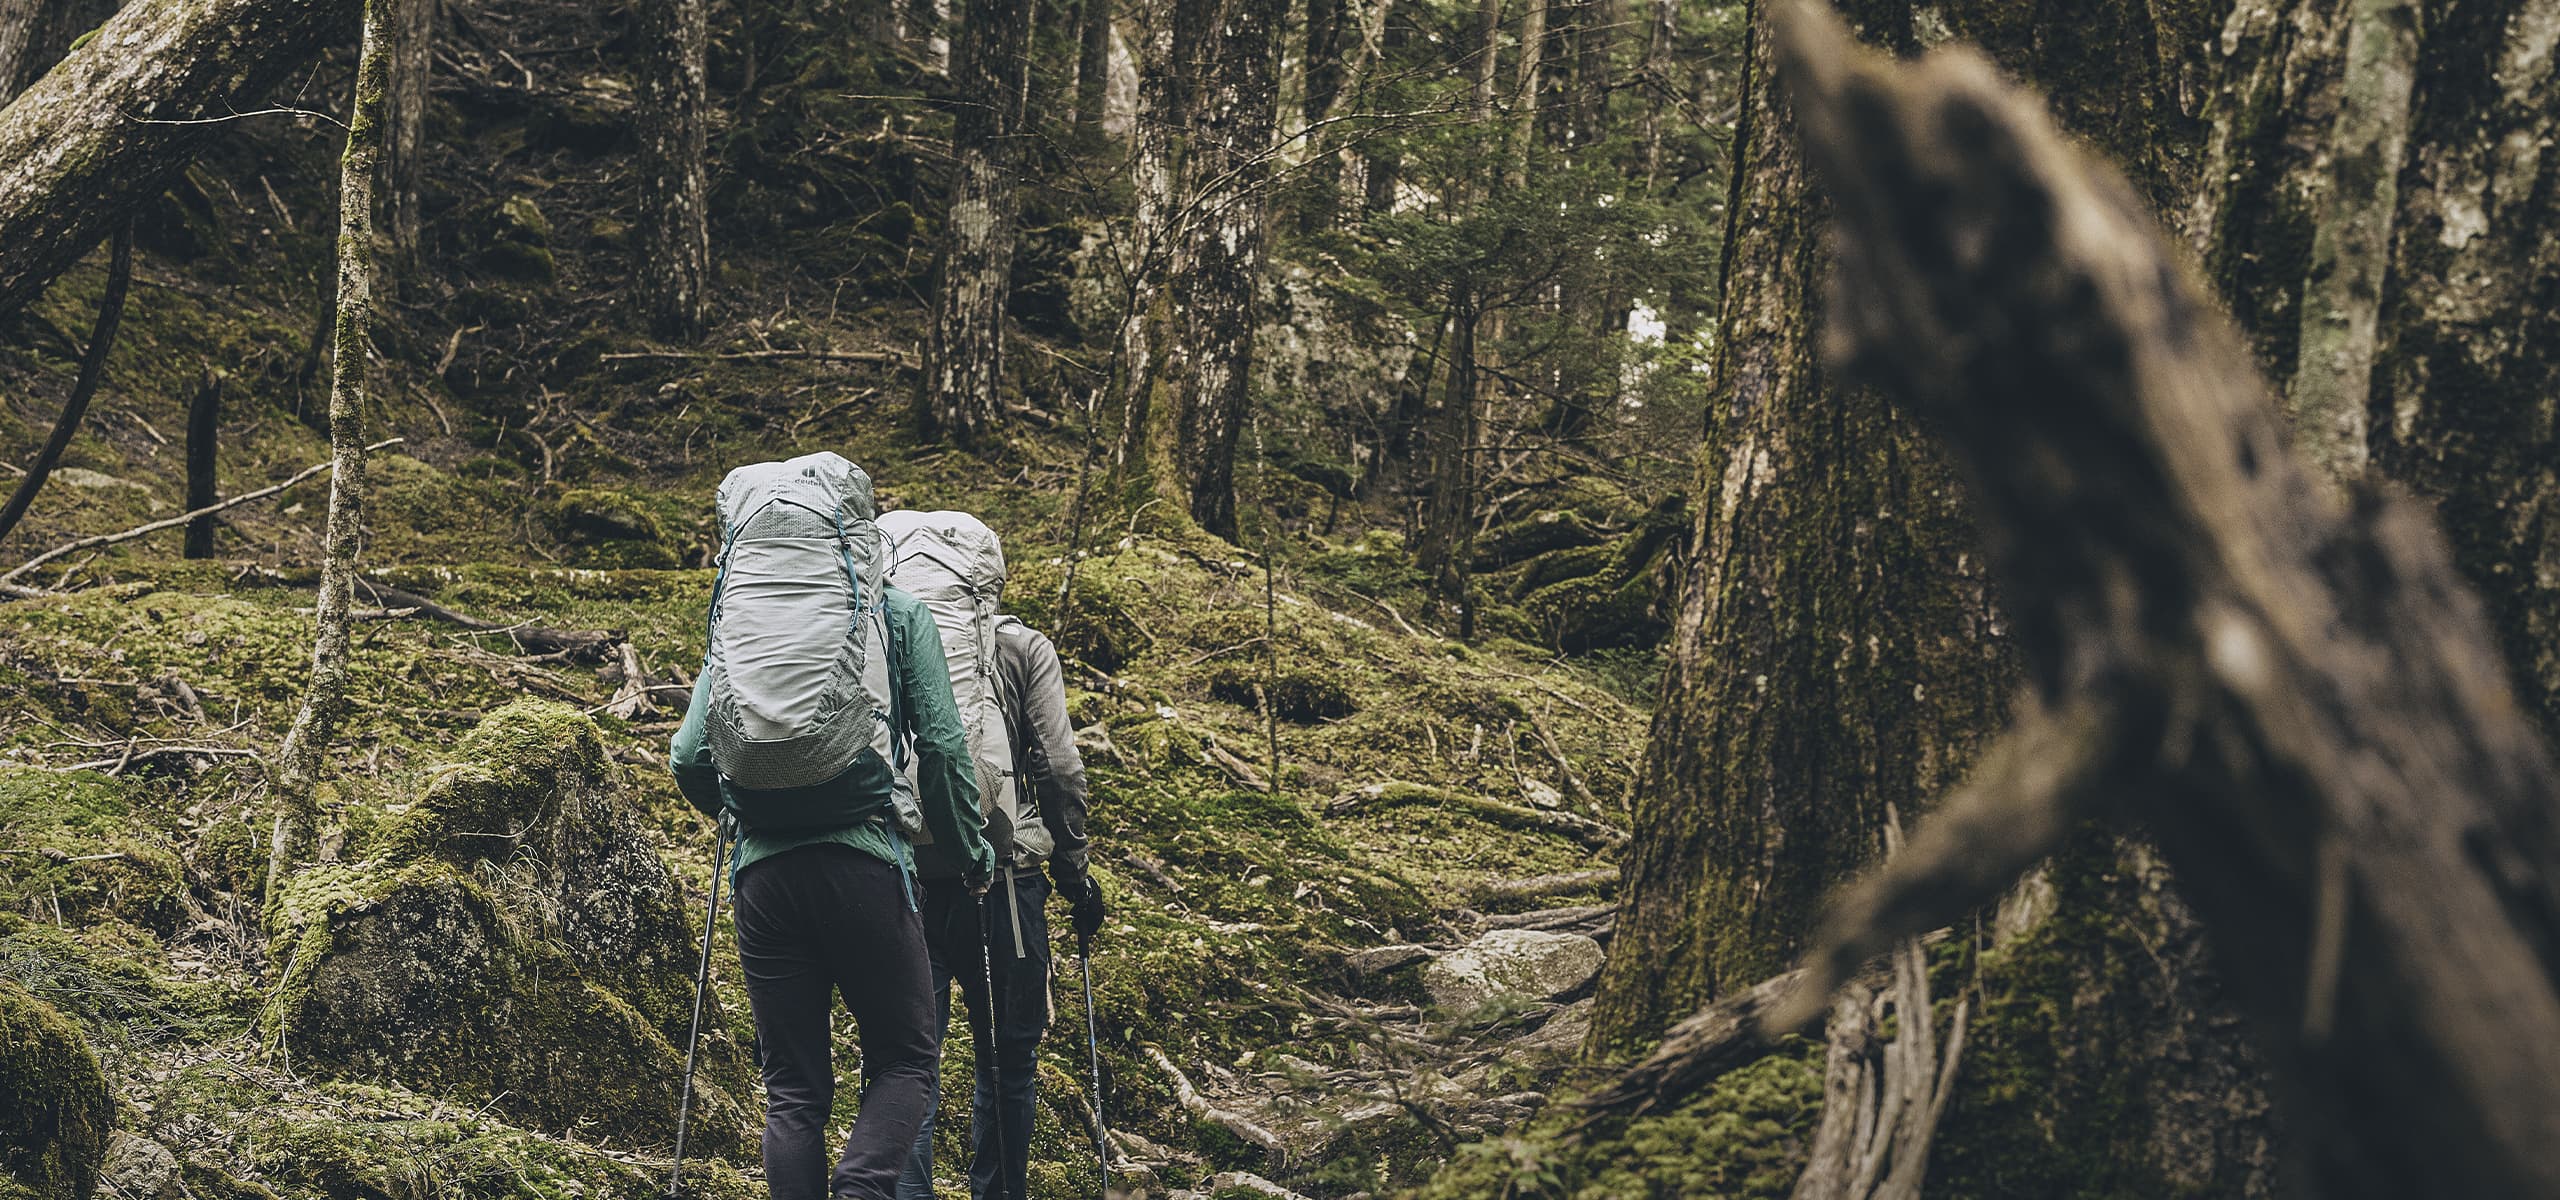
x,y
55,1110
80,850
611,530
518,942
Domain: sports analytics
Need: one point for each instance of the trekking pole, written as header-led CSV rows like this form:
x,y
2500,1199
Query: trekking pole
x,y
995,1058
1093,1047
701,985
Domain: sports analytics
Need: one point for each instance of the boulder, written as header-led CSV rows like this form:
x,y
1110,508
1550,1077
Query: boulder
x,y
518,944
1528,963
55,1110
610,530
138,1168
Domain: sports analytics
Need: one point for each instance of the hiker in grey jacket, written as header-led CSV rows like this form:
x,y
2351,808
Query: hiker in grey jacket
x,y
829,911
1010,946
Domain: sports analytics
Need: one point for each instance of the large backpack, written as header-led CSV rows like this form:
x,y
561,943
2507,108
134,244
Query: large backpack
x,y
954,565
801,711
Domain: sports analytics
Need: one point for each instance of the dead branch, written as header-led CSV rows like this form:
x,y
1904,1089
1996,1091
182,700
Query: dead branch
x,y
1201,1109
93,367
887,357
151,527
1582,829
1539,887
2292,689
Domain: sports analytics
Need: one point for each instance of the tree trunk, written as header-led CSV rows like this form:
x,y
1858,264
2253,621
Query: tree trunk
x,y
204,433
1447,550
81,148
1595,40
964,360
324,701
1527,85
1320,196
675,243
33,36
2286,681
412,54
1239,110
1152,166
1833,650
1093,68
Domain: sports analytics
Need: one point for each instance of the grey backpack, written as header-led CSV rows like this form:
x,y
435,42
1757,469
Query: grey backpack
x,y
953,565
802,708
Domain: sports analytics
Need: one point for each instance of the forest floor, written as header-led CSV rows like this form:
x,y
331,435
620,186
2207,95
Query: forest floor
x,y
1293,985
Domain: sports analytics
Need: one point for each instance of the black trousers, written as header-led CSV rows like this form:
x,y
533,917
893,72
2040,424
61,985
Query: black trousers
x,y
961,954
814,923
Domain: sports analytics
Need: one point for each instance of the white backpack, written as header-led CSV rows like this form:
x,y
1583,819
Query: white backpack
x,y
798,656
954,565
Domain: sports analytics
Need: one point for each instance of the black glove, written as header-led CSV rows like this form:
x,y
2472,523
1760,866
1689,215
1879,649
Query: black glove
x,y
1084,900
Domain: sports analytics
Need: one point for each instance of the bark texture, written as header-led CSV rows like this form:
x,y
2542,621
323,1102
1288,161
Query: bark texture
x,y
324,700
2292,688
412,54
33,35
964,362
1239,107
93,139
1834,649
675,244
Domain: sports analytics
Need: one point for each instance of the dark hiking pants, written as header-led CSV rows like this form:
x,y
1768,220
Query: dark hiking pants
x,y
952,932
813,923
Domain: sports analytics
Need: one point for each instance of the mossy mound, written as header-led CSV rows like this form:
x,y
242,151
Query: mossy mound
x,y
80,851
611,530
518,942
1300,695
58,1112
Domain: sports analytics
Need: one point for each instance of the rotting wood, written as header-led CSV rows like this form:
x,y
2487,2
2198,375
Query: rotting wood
x,y
2268,674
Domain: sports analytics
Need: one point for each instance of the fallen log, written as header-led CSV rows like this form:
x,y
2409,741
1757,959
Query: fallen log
x,y
1582,829
2290,689
120,116
1603,880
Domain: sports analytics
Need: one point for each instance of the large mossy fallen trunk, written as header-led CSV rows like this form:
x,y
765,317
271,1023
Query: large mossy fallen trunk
x,y
124,113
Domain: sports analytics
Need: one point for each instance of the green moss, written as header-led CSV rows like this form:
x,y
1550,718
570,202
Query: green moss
x,y
611,530
1742,1138
79,850
53,1130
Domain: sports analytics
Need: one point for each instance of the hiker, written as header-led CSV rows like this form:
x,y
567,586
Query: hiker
x,y
816,681
1013,700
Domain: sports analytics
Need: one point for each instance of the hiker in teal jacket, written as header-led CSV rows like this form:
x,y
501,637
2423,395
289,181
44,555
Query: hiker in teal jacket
x,y
834,910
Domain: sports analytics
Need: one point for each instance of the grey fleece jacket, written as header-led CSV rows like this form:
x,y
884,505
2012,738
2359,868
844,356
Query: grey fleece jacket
x,y
1045,760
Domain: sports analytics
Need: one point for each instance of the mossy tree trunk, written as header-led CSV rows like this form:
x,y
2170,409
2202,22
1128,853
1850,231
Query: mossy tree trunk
x,y
1239,107
324,700
1834,648
1141,460
83,146
675,243
964,360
